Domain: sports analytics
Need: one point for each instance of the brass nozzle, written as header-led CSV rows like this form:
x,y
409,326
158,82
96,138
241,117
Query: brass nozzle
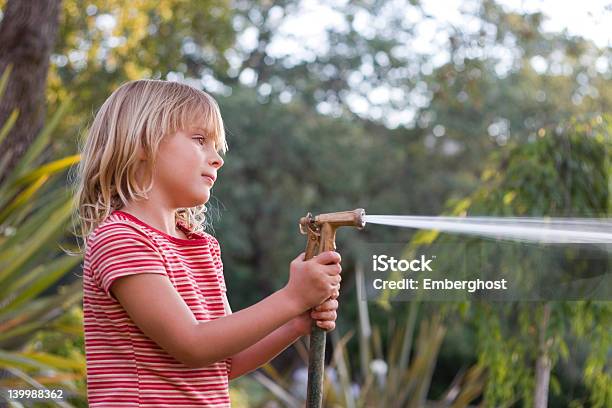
x,y
354,218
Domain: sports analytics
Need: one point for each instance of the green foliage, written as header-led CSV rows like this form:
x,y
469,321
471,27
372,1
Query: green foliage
x,y
102,44
34,210
284,161
288,158
563,172
396,374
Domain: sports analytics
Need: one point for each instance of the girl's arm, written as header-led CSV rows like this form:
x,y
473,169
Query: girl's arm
x,y
273,344
160,312
264,350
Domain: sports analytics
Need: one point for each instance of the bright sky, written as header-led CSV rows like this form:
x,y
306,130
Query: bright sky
x,y
589,18
302,35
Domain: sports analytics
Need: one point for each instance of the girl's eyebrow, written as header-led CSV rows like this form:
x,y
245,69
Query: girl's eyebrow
x,y
200,129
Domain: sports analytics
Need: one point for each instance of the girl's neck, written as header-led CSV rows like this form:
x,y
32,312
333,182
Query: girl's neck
x,y
162,220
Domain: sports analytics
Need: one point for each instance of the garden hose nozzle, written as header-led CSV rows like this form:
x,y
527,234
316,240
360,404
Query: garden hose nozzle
x,y
321,232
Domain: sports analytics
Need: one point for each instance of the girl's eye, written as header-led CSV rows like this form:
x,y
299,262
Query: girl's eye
x,y
201,140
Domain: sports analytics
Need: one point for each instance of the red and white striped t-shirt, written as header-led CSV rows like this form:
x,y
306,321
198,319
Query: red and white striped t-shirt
x,y
125,368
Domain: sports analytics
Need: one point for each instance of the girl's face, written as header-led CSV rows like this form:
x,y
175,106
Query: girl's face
x,y
186,168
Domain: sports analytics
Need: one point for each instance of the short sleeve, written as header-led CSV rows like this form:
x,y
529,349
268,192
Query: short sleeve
x,y
121,250
216,254
228,364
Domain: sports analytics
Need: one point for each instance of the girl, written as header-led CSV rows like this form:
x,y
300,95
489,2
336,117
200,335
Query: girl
x,y
159,331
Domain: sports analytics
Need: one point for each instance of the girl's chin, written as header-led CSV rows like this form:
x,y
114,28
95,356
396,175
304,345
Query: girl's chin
x,y
197,200
203,199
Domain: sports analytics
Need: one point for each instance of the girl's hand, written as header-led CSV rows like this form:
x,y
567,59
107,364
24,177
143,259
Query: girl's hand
x,y
325,315
314,281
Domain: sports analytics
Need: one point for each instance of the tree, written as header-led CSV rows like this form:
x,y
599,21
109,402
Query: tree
x,y
27,36
564,172
104,43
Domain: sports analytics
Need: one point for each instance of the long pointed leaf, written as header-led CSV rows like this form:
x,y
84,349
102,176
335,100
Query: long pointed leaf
x,y
40,143
37,308
32,222
46,277
56,362
48,379
278,391
9,359
46,231
341,361
6,128
4,78
8,187
41,312
23,197
48,169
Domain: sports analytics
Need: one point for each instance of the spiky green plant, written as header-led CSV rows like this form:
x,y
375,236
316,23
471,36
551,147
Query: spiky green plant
x,y
399,377
35,206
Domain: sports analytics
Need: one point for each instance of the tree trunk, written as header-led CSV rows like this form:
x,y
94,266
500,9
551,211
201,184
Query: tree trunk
x,y
27,34
543,364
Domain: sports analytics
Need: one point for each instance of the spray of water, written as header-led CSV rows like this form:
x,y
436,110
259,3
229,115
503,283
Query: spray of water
x,y
544,230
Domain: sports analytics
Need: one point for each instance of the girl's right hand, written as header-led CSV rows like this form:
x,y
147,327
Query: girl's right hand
x,y
314,281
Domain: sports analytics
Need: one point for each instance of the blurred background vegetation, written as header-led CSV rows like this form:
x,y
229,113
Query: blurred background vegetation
x,y
499,117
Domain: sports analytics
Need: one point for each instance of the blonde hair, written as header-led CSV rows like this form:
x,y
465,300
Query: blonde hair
x,y
137,115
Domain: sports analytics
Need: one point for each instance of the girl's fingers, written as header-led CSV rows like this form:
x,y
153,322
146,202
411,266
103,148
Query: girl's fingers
x,y
328,257
336,292
326,325
327,315
333,269
330,304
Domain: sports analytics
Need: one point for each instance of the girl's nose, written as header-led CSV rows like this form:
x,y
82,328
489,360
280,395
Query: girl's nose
x,y
216,160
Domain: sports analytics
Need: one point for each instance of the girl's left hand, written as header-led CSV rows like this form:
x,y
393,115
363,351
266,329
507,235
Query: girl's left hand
x,y
324,314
